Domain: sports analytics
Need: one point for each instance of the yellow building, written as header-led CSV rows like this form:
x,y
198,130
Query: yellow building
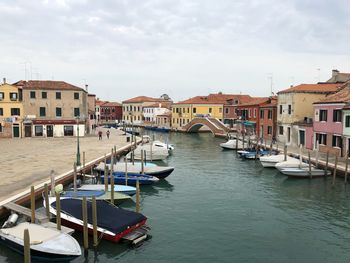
x,y
200,106
11,111
133,108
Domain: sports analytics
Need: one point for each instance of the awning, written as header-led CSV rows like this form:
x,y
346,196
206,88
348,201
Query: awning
x,y
249,123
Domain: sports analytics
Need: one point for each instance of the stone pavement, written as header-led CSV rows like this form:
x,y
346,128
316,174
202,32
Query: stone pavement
x,y
28,161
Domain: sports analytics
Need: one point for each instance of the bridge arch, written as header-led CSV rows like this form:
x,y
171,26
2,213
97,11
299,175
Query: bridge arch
x,y
214,125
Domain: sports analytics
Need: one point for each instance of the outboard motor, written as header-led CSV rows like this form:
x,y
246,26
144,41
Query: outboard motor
x,y
11,221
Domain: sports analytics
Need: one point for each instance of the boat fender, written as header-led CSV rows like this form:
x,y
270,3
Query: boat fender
x,y
59,188
11,221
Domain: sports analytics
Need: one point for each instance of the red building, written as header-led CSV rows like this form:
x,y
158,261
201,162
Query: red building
x,y
230,107
268,119
251,116
111,112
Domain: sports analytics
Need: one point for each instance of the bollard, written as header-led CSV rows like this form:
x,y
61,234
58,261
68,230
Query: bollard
x,y
85,224
32,204
137,195
58,211
335,169
26,241
75,177
46,196
94,221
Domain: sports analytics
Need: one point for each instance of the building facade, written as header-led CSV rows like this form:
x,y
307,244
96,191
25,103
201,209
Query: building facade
x,y
295,108
111,112
53,108
11,111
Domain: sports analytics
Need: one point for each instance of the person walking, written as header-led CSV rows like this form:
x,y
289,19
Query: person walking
x,y
108,134
99,135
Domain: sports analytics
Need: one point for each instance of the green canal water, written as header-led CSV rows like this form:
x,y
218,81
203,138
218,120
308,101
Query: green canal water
x,y
216,207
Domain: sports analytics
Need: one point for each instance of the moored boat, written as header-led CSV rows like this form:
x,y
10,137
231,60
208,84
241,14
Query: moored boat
x,y
272,160
124,189
304,172
290,163
231,144
100,195
113,223
132,179
45,243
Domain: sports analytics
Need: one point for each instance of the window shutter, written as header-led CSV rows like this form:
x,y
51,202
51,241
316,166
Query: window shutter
x,y
317,115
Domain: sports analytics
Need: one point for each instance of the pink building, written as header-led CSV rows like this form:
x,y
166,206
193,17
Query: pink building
x,y
328,121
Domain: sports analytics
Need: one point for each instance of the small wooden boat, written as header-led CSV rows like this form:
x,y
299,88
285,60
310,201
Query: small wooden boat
x,y
45,243
113,223
304,172
123,189
100,195
132,179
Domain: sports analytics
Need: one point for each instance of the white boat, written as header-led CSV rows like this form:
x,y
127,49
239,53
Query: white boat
x,y
290,163
272,160
231,145
169,147
136,168
45,243
304,172
152,153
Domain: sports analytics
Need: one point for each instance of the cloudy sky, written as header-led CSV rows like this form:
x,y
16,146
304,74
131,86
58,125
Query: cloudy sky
x,y
125,48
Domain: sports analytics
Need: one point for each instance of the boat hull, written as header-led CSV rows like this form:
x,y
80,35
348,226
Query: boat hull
x,y
131,180
303,173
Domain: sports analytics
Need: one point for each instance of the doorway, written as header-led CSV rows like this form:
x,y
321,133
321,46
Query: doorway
x,y
49,130
15,131
28,130
288,134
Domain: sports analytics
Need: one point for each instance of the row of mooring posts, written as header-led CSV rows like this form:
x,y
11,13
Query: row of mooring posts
x,y
46,193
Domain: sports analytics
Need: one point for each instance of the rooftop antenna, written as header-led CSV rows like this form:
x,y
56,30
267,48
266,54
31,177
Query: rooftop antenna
x,y
270,77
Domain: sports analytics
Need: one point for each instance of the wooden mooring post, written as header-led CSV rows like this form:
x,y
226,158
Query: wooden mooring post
x,y
335,169
126,170
106,174
83,170
75,177
326,167
137,195
285,152
94,222
52,178
309,159
26,241
85,224
58,211
32,204
112,179
46,197
346,167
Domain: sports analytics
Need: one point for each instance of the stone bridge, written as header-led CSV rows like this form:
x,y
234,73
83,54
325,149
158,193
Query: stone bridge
x,y
214,125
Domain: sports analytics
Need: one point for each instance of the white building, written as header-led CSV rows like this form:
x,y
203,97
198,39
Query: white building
x,y
151,112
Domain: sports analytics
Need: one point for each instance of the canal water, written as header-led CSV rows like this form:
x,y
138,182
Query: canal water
x,y
216,207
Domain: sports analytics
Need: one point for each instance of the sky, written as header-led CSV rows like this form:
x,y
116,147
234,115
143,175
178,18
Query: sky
x,y
184,48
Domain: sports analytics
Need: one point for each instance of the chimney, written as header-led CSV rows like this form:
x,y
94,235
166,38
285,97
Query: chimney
x,y
291,86
4,80
335,72
86,87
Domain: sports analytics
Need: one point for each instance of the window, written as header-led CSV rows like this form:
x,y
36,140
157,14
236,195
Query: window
x,y
2,96
261,114
269,130
254,113
76,95
32,94
321,138
13,96
194,110
68,130
323,115
226,110
347,121
1,111
289,109
0,127
38,130
15,112
44,95
188,110
76,112
58,112
301,137
269,114
337,116
336,141
281,109
42,111
280,130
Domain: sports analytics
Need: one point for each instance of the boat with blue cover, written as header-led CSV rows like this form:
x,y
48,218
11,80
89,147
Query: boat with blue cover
x,y
124,189
132,179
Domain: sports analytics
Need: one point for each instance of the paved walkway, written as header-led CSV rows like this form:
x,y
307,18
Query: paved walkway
x,y
28,161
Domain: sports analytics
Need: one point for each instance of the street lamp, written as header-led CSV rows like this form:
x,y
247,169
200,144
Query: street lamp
x,y
78,146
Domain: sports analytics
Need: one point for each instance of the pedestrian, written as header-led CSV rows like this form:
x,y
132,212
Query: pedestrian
x,y
108,134
99,135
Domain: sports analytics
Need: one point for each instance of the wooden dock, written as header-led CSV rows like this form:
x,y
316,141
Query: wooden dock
x,y
39,217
